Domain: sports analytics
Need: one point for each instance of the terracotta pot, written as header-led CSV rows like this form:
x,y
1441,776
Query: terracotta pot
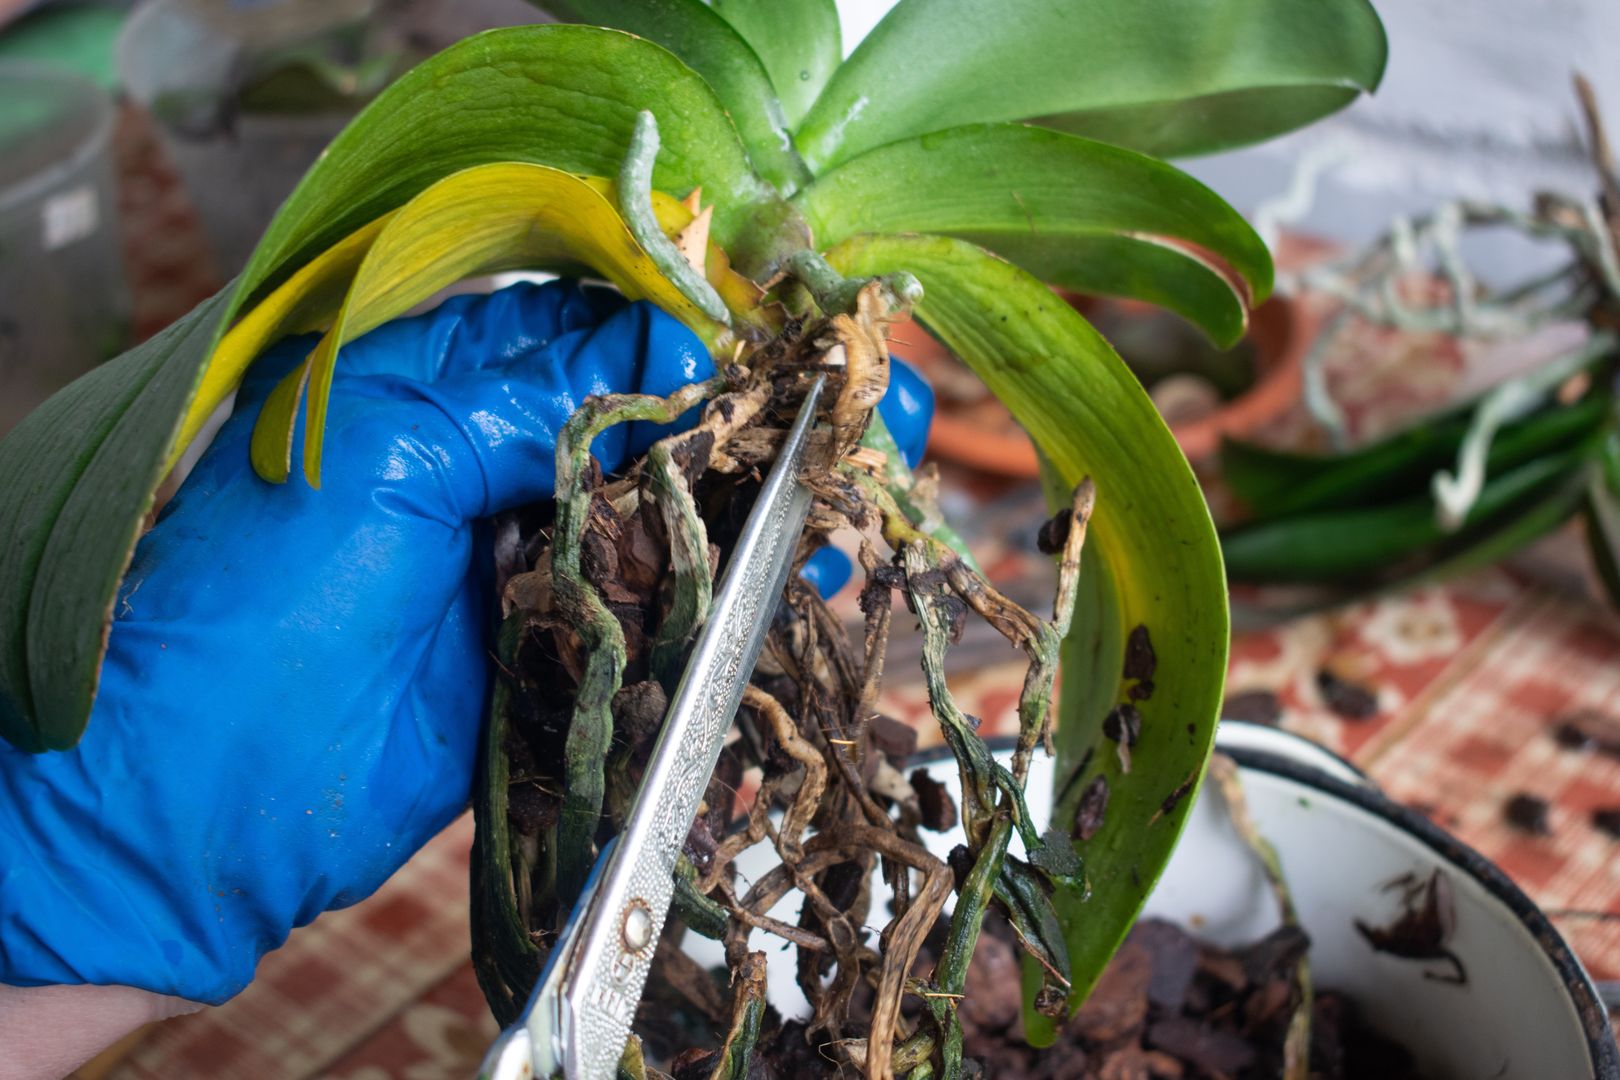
x,y
981,433
1281,331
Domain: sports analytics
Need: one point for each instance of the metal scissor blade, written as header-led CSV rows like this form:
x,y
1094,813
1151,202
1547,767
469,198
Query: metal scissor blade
x,y
581,1011
533,1046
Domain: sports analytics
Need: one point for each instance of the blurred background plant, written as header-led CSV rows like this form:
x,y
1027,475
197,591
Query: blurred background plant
x,y
1472,482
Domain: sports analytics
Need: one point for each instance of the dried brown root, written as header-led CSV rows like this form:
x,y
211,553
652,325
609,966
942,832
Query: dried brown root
x,y
808,798
603,603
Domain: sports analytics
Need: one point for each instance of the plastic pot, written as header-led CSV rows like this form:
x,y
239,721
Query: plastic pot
x,y
63,302
1527,1009
237,166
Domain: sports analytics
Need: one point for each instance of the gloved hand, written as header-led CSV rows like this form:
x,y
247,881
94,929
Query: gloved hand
x,y
294,682
293,686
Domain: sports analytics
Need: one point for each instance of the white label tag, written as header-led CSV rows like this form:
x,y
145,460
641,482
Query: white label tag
x,y
72,215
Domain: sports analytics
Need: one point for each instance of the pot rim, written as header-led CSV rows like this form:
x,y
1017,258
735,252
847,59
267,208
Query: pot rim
x,y
1602,1052
1301,749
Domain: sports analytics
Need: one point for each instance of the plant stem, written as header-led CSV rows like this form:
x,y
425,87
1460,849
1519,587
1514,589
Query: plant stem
x,y
747,1012
505,958
669,462
836,294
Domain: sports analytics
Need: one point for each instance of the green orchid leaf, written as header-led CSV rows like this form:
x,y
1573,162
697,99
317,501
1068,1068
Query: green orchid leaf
x,y
1358,543
563,96
79,474
1074,212
1608,460
1278,484
1472,549
1151,561
712,47
1554,504
799,41
480,220
1169,78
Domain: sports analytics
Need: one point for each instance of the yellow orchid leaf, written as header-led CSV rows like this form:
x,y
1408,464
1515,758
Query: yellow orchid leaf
x,y
306,301
486,219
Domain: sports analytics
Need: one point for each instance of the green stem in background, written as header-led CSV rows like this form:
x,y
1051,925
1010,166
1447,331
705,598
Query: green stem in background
x,y
1488,547
1602,512
1276,484
635,204
1356,543
590,734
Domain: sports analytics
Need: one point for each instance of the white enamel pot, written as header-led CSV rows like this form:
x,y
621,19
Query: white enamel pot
x,y
1527,1009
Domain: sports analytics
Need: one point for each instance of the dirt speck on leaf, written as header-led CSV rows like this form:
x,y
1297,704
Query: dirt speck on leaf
x,y
1088,818
1123,724
1140,659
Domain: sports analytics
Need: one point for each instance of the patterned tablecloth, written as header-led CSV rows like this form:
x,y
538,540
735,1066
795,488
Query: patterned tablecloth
x,y
1472,679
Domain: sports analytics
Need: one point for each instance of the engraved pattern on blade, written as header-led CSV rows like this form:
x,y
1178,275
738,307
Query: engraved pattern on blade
x,y
602,1000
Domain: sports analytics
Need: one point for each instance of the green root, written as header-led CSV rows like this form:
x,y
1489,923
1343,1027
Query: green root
x,y
635,206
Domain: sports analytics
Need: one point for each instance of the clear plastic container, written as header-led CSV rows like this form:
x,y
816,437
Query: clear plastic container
x,y
64,305
199,67
183,60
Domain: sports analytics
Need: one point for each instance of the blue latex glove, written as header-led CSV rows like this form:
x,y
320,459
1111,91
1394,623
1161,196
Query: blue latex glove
x,y
907,408
295,679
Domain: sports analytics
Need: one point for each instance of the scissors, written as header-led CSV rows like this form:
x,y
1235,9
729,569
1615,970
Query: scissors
x,y
578,1017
